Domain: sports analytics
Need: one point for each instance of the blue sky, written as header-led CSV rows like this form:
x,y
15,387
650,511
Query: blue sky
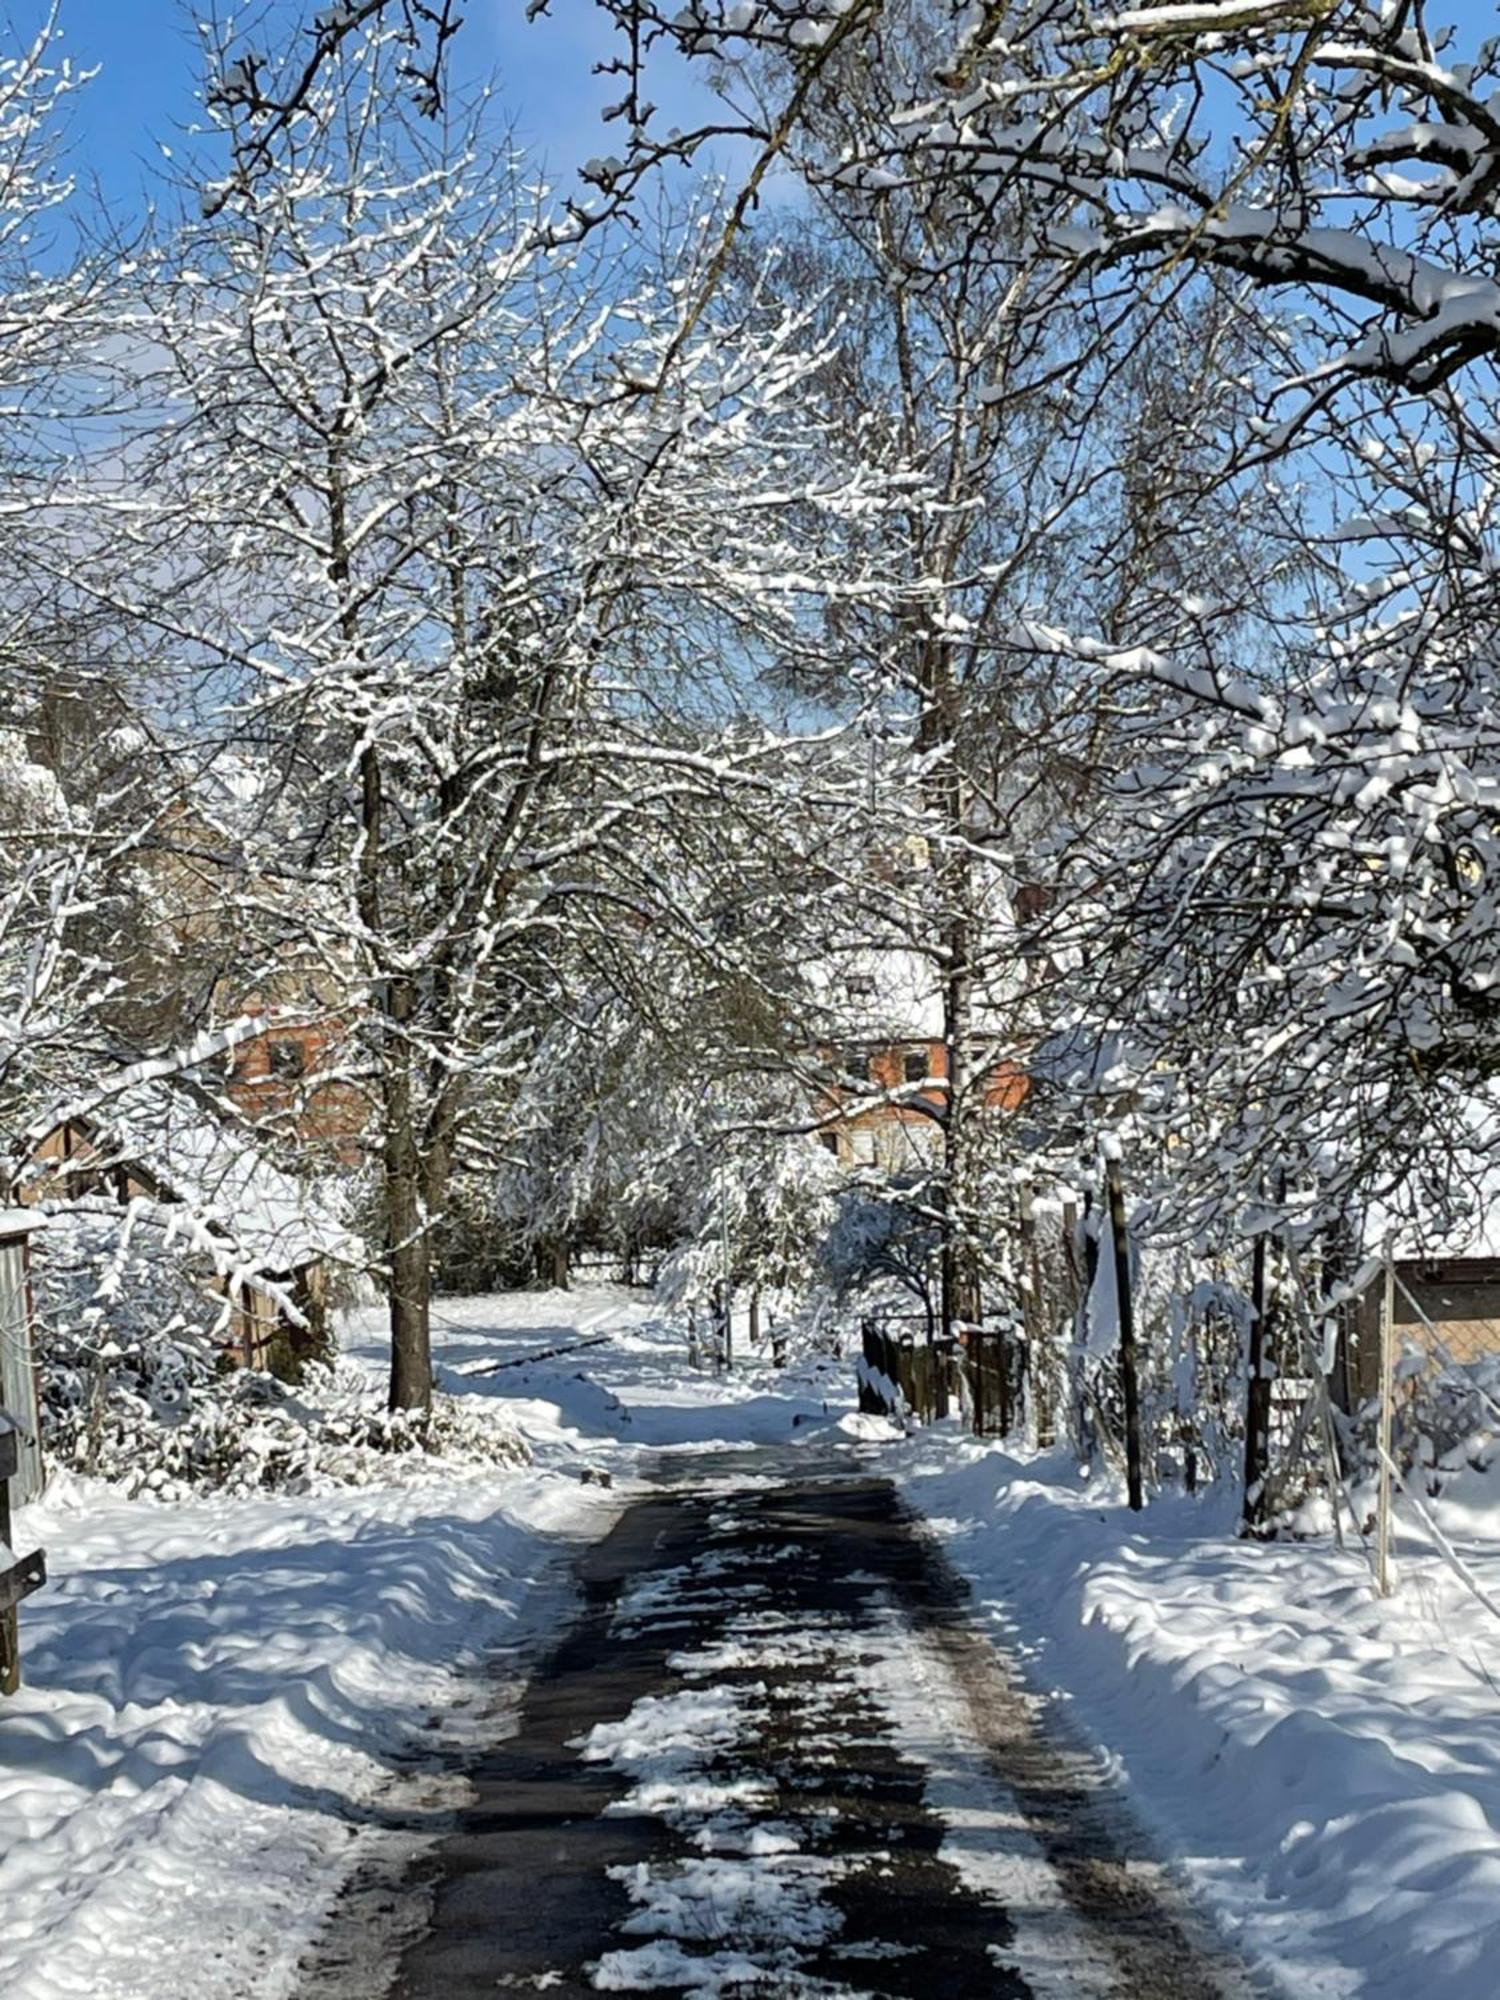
x,y
146,51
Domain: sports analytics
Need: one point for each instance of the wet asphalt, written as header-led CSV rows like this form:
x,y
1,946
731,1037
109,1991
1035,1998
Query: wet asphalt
x,y
820,1618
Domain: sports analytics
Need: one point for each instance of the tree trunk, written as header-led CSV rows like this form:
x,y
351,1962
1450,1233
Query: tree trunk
x,y
553,1266
408,1252
407,1248
1039,1384
960,1275
411,1325
408,1245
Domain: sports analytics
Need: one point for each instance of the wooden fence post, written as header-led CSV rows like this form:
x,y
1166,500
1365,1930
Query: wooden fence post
x,y
10,1641
1125,1306
1257,1400
18,1577
869,1402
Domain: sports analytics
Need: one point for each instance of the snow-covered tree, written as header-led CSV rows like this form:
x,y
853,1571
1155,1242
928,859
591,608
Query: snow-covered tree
x,y
81,786
479,550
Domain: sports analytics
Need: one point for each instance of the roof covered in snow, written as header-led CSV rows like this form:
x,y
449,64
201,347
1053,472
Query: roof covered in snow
x,y
892,993
221,1176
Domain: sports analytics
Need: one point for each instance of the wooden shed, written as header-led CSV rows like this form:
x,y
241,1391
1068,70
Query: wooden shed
x,y
18,1374
263,1238
1449,1305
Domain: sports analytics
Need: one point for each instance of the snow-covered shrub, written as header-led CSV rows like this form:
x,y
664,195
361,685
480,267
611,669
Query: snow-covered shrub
x,y
473,1249
248,1433
121,1323
760,1217
1445,1422
882,1249
136,1388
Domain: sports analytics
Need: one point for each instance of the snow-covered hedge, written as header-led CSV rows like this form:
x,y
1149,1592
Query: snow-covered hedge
x,y
1446,1422
245,1433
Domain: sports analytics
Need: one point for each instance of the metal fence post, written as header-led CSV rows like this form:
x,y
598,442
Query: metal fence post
x,y
1387,1401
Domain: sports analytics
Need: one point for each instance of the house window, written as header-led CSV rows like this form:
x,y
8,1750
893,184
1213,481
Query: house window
x,y
855,1062
916,1065
863,1144
288,1061
830,1140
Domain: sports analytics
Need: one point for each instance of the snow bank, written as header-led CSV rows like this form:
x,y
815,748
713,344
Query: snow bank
x,y
1325,1765
222,1699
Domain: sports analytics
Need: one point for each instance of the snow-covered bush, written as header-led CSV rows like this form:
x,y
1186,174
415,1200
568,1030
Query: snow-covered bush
x,y
1445,1422
762,1214
882,1248
120,1321
245,1433
136,1387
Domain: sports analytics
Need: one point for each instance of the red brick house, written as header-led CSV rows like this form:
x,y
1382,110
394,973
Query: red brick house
x,y
292,1079
892,1062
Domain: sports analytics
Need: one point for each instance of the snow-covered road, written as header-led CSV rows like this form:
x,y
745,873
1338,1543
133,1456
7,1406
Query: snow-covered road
x,y
771,1757
232,1703
236,1705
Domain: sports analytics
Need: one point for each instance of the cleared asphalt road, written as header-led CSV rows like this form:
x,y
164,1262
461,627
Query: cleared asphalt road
x,y
771,1756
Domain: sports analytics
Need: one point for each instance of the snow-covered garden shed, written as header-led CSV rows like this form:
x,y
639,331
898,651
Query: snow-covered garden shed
x,y
18,1376
266,1241
1442,1229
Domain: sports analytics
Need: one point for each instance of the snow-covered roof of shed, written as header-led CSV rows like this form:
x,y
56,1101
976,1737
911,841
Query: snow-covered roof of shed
x,y
223,1179
19,1222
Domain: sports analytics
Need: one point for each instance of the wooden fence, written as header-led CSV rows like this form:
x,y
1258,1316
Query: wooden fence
x,y
979,1373
613,1267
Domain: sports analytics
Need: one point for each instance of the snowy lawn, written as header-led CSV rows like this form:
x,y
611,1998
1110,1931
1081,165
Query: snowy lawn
x,y
607,1403
1327,1766
224,1695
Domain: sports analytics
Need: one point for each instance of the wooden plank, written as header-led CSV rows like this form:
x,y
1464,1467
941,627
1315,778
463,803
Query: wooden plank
x,y
18,1369
20,1578
10,1643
